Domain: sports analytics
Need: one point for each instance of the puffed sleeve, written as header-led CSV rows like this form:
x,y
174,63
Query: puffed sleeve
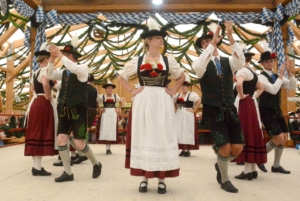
x,y
100,98
194,97
246,73
118,99
174,68
43,72
129,69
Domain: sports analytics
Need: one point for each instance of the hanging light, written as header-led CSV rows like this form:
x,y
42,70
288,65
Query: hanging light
x,y
157,2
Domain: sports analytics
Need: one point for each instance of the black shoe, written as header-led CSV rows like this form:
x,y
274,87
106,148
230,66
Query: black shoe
x,y
162,190
280,170
41,172
187,154
97,170
73,158
182,153
144,188
80,159
248,176
240,163
262,167
61,163
108,151
227,186
64,177
255,174
219,177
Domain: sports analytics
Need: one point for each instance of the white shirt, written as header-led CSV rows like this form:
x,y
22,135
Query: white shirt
x,y
39,78
289,84
81,70
200,64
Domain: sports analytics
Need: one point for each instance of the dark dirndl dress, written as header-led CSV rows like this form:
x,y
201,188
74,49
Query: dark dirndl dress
x,y
255,149
40,124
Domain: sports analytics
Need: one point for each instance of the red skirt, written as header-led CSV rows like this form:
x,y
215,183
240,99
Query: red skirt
x,y
192,147
40,129
255,148
98,134
140,172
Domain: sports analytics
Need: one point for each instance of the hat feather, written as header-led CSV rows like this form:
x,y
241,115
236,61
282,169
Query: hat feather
x,y
213,27
75,41
242,45
152,24
44,46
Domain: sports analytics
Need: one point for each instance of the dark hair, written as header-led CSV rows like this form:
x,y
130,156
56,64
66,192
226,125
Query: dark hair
x,y
248,59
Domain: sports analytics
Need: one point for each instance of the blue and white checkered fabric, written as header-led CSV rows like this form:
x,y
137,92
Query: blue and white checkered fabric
x,y
22,8
239,18
279,13
180,18
72,19
39,15
291,36
271,42
27,38
128,18
277,35
267,16
293,8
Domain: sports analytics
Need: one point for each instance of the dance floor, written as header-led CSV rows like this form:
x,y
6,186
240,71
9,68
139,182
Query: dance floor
x,y
197,180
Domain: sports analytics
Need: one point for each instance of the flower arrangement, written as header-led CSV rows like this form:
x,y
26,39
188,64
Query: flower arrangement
x,y
109,100
152,67
273,55
210,33
180,100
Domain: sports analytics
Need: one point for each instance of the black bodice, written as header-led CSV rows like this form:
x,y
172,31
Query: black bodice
x,y
38,87
185,104
109,104
249,87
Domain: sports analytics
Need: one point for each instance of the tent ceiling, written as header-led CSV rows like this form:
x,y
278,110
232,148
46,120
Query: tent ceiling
x,y
66,6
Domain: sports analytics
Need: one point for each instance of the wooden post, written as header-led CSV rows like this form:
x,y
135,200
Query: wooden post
x,y
292,93
10,83
1,104
284,104
33,32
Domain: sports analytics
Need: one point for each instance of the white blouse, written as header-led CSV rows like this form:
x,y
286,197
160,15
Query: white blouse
x,y
246,73
193,97
130,67
43,72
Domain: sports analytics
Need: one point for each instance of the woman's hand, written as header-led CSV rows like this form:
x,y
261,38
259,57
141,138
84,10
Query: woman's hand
x,y
171,92
242,96
118,110
136,91
102,110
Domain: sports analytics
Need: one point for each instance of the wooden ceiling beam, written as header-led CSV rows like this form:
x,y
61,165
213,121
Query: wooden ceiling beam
x,y
33,3
24,64
4,38
164,7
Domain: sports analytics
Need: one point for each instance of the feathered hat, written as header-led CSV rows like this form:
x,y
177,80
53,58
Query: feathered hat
x,y
266,55
108,84
72,49
153,30
43,50
210,34
187,80
247,53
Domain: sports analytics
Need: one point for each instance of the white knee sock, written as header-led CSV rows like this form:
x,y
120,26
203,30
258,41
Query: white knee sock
x,y
37,162
146,180
107,146
160,185
253,167
73,153
247,168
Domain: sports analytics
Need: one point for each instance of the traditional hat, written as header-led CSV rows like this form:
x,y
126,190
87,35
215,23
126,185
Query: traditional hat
x,y
187,80
247,53
91,78
43,50
206,35
153,30
108,84
266,55
72,49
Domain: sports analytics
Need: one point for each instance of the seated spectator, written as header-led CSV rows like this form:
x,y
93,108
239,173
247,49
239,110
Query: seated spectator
x,y
5,127
122,124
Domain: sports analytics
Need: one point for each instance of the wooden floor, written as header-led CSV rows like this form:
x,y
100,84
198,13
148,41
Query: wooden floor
x,y
196,181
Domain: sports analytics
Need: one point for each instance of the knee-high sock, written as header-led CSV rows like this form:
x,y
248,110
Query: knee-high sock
x,y
89,154
72,142
278,154
253,167
160,185
107,146
232,157
37,162
65,158
223,166
146,180
270,146
247,168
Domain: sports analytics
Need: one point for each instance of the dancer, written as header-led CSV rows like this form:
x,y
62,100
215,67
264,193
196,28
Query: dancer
x,y
215,75
186,125
269,106
254,150
41,115
72,106
151,139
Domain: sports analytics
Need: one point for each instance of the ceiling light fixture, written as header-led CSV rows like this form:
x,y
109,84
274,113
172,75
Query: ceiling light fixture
x,y
157,2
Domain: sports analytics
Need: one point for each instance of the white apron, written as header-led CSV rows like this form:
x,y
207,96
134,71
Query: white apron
x,y
108,125
185,126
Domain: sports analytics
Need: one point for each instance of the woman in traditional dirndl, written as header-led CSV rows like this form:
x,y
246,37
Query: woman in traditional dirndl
x,y
186,125
107,128
41,117
151,139
254,149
